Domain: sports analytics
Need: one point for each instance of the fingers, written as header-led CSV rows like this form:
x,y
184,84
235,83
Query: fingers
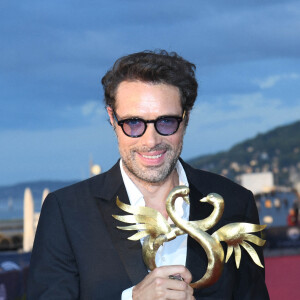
x,y
165,288
182,290
158,285
179,295
166,271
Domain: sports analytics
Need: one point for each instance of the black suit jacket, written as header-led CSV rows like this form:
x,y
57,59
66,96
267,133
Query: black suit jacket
x,y
79,253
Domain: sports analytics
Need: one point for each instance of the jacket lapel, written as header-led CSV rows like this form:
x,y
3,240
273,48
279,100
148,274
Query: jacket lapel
x,y
130,252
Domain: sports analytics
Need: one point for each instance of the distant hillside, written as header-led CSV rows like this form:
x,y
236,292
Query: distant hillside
x,y
16,192
277,150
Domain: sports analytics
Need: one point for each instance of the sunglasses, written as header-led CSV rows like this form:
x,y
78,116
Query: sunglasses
x,y
136,127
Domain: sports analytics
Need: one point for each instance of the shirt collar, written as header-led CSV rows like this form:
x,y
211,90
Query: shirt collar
x,y
136,198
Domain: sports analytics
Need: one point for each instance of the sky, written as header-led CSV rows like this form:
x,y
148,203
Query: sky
x,y
53,55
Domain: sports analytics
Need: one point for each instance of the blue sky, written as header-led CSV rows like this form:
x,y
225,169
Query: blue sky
x,y
53,55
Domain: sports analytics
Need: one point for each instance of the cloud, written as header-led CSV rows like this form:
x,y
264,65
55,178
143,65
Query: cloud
x,y
271,81
92,108
43,33
246,108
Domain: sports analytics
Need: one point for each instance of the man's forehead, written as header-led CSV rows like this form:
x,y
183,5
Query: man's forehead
x,y
134,87
147,102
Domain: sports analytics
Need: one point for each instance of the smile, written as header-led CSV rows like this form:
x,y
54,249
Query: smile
x,y
152,156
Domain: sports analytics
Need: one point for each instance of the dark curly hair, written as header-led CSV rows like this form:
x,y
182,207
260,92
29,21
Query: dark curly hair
x,y
153,66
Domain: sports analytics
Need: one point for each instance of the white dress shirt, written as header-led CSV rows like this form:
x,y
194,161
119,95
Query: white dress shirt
x,y
172,252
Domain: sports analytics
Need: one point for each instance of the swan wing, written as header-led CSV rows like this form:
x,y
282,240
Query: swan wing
x,y
237,255
145,219
252,253
236,235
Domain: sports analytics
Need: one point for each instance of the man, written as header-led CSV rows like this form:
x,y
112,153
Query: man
x,y
78,251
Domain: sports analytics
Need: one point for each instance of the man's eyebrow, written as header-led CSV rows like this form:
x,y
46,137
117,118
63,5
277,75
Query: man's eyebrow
x,y
133,116
128,116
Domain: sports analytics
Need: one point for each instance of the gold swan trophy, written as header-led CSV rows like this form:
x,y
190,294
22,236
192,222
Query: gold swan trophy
x,y
152,226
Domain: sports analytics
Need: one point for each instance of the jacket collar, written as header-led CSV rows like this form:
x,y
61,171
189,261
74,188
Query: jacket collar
x,y
106,188
106,185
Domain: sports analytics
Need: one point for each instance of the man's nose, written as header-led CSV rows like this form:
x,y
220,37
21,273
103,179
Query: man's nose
x,y
151,137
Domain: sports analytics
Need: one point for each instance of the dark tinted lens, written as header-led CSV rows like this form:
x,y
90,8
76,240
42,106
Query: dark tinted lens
x,y
167,125
134,127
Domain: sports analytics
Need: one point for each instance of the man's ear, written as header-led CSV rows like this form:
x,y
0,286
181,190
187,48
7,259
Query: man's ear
x,y
186,118
110,115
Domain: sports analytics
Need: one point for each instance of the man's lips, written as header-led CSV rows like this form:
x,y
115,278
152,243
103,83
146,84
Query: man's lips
x,y
153,154
152,157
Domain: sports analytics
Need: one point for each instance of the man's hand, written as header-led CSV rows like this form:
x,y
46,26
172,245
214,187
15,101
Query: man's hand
x,y
158,285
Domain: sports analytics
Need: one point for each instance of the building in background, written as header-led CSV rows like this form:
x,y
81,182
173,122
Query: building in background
x,y
258,183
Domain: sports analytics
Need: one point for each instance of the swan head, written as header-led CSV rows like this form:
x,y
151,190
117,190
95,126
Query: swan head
x,y
183,191
179,191
213,198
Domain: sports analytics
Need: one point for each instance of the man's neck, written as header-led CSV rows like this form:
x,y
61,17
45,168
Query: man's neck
x,y
155,194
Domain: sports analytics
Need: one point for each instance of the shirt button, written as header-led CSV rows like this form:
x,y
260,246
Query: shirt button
x,y
163,259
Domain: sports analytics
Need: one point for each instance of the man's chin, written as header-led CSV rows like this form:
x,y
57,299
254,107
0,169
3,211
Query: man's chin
x,y
154,174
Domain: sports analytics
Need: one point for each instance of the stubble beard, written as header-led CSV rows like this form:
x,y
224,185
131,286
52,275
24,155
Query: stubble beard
x,y
152,174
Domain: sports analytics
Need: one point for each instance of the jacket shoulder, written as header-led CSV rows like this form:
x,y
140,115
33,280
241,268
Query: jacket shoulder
x,y
212,181
239,202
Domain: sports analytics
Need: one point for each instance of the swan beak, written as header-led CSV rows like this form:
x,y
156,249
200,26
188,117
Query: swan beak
x,y
186,199
204,199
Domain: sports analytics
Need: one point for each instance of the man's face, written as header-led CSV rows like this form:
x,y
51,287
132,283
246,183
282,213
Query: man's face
x,y
151,157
